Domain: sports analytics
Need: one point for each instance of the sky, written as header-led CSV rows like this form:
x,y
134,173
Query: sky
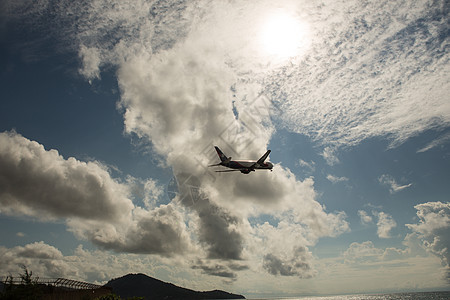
x,y
110,110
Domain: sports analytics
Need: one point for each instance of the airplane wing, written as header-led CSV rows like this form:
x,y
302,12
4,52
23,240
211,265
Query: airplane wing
x,y
228,171
216,165
263,158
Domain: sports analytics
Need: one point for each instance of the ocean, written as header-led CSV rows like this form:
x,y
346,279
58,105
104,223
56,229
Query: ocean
x,y
394,296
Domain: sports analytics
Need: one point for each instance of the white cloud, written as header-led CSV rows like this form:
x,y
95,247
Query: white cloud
x,y
362,253
365,74
176,72
435,143
373,268
217,231
149,191
44,259
364,70
376,69
42,184
96,266
90,58
336,179
365,218
179,100
311,166
329,155
394,187
385,224
434,228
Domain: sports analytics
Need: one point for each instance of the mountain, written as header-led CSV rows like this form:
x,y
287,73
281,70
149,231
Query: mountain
x,y
141,285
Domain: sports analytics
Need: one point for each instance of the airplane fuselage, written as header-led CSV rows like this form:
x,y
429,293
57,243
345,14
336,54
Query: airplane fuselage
x,y
247,166
244,166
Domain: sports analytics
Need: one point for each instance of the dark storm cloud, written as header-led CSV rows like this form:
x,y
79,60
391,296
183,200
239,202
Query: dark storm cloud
x,y
217,226
296,266
159,231
218,232
214,268
155,233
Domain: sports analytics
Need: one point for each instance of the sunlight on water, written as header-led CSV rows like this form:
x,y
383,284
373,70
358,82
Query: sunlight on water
x,y
396,296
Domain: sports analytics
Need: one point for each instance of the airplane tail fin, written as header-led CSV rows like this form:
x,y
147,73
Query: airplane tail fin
x,y
263,158
222,156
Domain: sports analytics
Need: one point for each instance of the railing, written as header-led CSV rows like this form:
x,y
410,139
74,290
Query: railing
x,y
56,282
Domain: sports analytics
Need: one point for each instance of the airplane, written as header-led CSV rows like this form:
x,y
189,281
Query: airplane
x,y
244,166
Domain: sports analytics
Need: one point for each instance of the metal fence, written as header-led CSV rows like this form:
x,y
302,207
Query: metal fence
x,y
56,282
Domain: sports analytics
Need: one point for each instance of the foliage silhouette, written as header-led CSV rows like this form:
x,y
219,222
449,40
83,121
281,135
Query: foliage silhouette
x,y
28,289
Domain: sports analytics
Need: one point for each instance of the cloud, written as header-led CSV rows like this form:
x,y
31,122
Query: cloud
x,y
179,100
99,266
158,231
188,82
42,184
365,254
147,191
219,270
433,229
437,142
394,187
329,156
39,250
365,218
217,227
385,224
46,261
362,253
376,69
43,258
361,75
336,179
298,265
90,58
366,264
311,166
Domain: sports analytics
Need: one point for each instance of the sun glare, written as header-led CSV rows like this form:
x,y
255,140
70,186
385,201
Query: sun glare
x,y
283,36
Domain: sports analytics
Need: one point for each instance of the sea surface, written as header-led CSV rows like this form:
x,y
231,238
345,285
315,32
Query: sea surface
x,y
395,296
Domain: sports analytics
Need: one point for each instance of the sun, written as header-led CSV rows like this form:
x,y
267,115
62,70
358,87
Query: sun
x,y
283,36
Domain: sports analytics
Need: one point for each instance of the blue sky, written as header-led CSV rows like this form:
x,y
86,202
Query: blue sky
x,y
104,104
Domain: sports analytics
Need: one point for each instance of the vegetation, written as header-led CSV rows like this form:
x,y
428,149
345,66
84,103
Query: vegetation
x,y
28,289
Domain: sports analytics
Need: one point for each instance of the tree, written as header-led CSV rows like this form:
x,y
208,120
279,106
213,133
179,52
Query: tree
x,y
28,289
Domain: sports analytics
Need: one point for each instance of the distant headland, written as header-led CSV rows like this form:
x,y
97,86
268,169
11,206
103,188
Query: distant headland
x,y
141,285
